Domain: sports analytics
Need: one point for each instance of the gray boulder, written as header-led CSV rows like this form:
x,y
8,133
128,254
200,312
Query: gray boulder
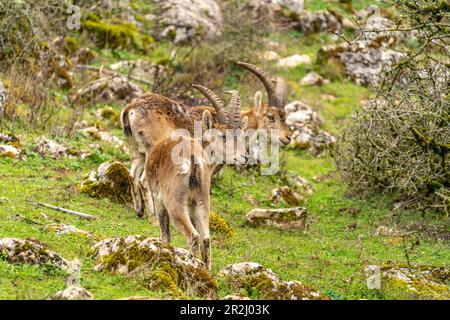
x,y
187,20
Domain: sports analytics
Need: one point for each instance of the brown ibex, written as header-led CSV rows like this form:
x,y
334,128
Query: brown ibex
x,y
179,182
152,118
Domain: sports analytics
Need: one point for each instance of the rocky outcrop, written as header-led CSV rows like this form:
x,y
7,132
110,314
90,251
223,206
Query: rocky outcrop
x,y
141,69
251,277
187,20
305,126
427,282
158,265
109,180
16,250
11,147
73,293
364,62
283,219
319,21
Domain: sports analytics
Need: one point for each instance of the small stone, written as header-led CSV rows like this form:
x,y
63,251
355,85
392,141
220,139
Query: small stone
x,y
47,147
31,252
111,179
8,151
294,61
283,219
287,194
313,79
73,293
269,55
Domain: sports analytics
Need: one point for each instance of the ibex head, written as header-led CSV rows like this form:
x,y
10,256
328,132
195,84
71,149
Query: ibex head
x,y
229,125
272,115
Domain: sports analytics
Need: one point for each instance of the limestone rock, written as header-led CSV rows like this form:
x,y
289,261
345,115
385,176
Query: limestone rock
x,y
313,79
111,180
60,229
269,55
363,62
427,282
300,114
287,194
272,10
319,21
306,134
251,276
108,89
73,293
30,252
290,218
294,61
142,69
105,136
160,266
302,185
8,151
187,20
47,147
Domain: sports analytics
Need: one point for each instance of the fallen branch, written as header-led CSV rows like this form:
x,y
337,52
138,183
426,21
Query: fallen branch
x,y
71,212
113,73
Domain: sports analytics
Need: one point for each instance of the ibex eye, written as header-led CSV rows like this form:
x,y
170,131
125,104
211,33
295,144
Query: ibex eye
x,y
270,117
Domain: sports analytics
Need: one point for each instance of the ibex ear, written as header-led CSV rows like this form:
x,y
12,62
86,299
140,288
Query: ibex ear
x,y
244,123
258,102
207,120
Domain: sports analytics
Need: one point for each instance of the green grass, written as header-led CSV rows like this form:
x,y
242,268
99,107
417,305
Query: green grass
x,y
327,255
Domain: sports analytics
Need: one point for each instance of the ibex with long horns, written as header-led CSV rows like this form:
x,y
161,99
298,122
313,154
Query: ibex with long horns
x,y
179,182
152,118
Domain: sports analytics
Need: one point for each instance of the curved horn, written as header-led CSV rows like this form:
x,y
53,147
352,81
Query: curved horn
x,y
280,92
235,108
217,103
265,79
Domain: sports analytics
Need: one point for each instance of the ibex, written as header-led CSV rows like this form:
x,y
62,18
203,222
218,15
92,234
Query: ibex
x,y
179,187
152,118
262,116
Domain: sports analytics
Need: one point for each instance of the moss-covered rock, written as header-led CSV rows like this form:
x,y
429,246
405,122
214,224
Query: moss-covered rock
x,y
160,266
219,225
110,180
14,250
61,229
258,282
425,281
283,219
73,293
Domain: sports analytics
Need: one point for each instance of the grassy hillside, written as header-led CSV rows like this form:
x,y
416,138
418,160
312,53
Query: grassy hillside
x,y
330,254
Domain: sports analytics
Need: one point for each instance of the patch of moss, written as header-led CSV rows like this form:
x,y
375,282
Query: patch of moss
x,y
219,225
116,35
